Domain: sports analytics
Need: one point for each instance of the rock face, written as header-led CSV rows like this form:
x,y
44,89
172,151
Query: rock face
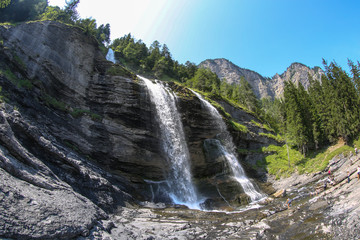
x,y
77,142
297,73
263,87
82,141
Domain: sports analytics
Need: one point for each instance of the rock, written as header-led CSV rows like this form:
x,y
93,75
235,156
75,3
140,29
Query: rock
x,y
263,87
280,193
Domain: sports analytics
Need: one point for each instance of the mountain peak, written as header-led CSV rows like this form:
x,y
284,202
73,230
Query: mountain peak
x,y
263,87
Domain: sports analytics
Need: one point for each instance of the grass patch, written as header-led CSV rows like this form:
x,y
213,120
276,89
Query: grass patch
x,y
238,127
76,113
264,126
53,102
247,151
277,138
19,61
19,82
278,162
320,160
118,70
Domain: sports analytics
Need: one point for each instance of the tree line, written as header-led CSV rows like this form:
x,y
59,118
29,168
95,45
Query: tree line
x,y
321,115
157,61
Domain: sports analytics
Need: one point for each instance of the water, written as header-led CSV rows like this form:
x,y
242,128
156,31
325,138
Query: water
x,y
179,183
228,150
110,56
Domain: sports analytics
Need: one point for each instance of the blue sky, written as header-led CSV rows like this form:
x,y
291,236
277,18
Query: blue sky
x,y
262,35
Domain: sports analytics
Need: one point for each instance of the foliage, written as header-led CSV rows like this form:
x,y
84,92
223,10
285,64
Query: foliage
x,y
278,162
19,82
204,80
4,3
277,138
239,127
155,60
76,113
264,126
20,10
320,160
118,70
326,112
69,15
273,113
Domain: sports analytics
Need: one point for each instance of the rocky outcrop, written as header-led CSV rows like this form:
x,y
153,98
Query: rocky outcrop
x,y
263,87
231,73
297,73
107,118
80,140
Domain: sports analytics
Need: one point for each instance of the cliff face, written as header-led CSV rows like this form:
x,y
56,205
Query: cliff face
x,y
297,73
232,74
263,87
77,142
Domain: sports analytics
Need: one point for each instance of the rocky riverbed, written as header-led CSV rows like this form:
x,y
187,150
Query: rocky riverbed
x,y
328,214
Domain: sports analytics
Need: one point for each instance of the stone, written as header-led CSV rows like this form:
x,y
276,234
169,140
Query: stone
x,y
280,193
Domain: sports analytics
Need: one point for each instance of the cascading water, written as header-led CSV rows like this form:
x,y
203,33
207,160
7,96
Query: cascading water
x,y
228,151
179,183
110,56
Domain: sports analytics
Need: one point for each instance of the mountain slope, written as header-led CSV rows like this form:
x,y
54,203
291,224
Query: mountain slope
x,y
263,87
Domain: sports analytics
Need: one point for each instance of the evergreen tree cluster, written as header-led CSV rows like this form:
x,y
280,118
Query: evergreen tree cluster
x,y
327,112
155,60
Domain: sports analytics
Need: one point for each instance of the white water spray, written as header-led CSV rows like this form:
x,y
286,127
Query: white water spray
x,y
110,56
179,183
229,152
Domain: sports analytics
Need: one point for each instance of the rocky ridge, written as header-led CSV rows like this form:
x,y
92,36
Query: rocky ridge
x,y
263,87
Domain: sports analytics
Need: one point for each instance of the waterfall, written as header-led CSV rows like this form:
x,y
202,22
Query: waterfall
x,y
179,182
110,56
228,151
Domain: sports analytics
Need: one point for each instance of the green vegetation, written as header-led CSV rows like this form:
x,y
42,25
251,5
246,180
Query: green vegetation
x,y
277,138
328,111
53,102
76,113
20,10
19,82
239,127
1,96
264,126
4,3
284,160
118,70
278,163
321,160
